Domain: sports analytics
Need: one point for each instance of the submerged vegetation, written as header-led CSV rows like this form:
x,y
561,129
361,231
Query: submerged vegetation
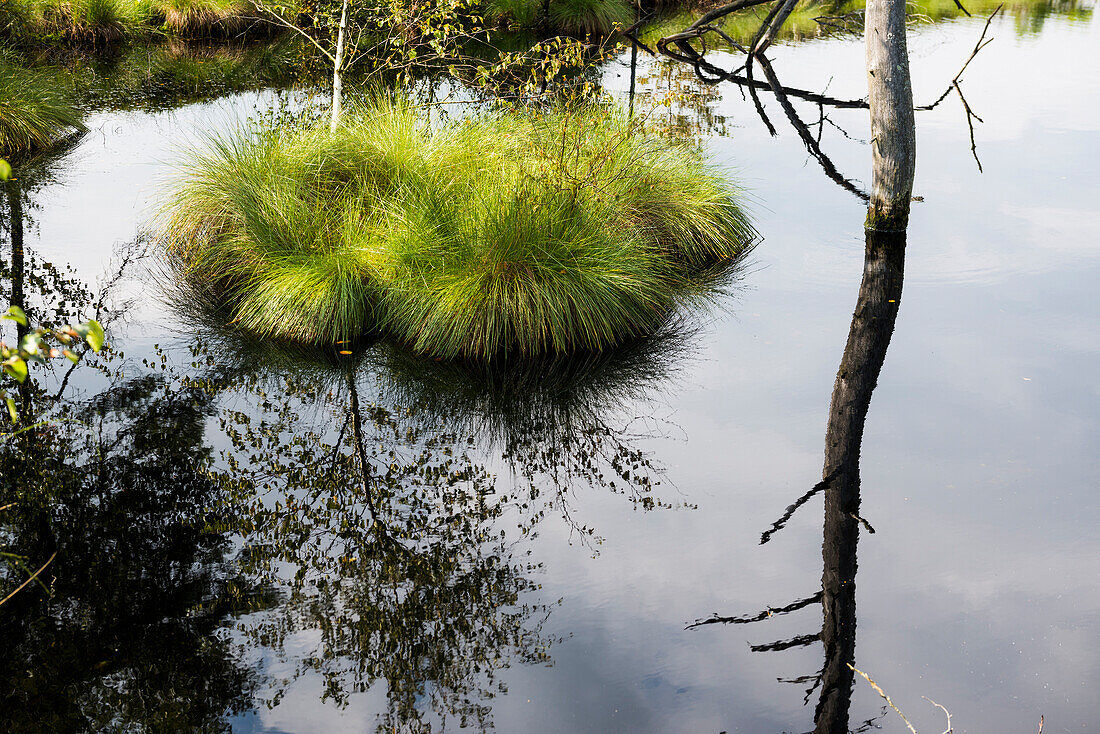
x,y
565,232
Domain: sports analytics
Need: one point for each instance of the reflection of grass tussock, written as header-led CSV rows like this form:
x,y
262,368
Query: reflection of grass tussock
x,y
567,232
35,111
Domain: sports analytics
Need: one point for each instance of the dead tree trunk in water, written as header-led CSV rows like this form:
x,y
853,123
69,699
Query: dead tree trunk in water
x,y
893,146
893,132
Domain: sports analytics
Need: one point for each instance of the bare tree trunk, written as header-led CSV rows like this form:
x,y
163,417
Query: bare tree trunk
x,y
893,133
338,71
894,147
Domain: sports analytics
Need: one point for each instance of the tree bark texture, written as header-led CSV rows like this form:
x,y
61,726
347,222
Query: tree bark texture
x,y
893,132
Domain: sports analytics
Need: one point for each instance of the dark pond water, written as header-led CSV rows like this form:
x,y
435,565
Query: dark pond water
x,y
502,572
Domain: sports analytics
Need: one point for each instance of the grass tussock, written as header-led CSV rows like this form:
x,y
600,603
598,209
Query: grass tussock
x,y
92,22
35,111
575,17
105,22
503,234
207,18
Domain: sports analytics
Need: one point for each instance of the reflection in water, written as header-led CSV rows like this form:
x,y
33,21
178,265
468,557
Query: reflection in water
x,y
868,338
400,553
382,530
124,634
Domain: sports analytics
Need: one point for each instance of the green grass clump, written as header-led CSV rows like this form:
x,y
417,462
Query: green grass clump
x,y
503,234
93,22
591,17
35,111
206,18
575,17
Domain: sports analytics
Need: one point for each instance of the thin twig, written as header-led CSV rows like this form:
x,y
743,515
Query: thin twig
x,y
32,577
982,43
948,730
882,693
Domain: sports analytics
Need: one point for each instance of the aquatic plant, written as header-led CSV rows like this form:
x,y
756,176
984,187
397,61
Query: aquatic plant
x,y
35,110
504,234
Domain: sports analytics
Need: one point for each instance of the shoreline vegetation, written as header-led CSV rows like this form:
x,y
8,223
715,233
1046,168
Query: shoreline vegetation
x,y
503,234
103,24
36,111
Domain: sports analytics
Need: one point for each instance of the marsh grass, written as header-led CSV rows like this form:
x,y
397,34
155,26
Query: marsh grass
x,y
35,111
202,17
104,22
575,17
93,22
500,235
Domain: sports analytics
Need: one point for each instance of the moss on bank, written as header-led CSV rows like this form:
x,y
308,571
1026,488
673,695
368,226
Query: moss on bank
x,y
503,234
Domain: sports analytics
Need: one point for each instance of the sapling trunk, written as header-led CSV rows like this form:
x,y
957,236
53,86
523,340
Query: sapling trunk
x,y
893,132
338,70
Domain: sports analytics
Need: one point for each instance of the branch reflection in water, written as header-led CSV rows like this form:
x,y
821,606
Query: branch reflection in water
x,y
868,339
392,498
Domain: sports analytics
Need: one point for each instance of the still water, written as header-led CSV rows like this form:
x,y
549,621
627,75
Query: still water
x,y
536,544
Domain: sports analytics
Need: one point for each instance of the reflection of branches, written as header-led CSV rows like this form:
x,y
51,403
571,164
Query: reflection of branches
x,y
791,509
766,614
799,641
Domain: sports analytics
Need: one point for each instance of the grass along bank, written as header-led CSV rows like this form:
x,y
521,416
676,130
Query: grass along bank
x,y
36,111
503,234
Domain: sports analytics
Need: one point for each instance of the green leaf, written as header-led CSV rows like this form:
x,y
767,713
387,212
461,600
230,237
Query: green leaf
x,y
31,345
17,368
91,332
96,338
74,358
11,410
15,313
5,170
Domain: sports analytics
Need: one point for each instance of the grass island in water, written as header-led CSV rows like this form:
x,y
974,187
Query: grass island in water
x,y
552,233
